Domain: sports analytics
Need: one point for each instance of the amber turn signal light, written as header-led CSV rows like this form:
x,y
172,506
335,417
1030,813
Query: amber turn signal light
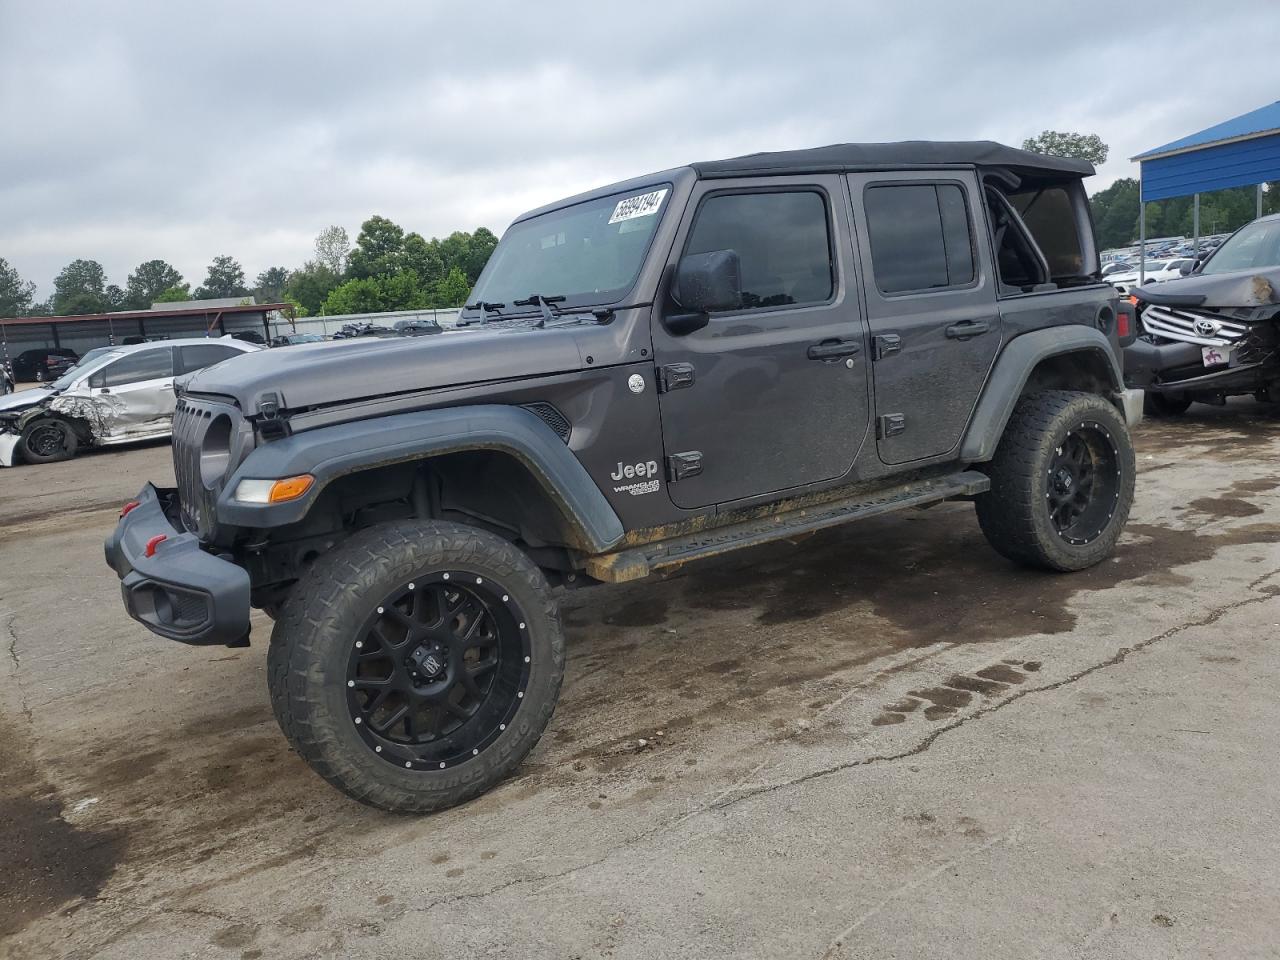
x,y
274,491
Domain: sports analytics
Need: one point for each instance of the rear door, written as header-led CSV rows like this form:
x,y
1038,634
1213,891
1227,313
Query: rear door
x,y
773,395
134,395
197,356
931,305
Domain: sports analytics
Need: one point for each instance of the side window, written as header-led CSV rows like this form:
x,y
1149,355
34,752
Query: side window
x,y
144,365
920,236
1052,221
205,355
782,241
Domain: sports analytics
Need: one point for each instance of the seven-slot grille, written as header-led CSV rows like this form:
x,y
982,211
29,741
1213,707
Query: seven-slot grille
x,y
191,419
1192,326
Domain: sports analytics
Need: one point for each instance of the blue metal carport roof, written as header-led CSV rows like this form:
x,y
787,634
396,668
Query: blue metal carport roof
x,y
1239,152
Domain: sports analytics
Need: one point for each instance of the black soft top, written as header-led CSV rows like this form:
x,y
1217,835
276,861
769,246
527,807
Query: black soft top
x,y
908,154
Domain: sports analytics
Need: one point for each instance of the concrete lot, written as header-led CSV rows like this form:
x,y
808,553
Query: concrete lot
x,y
883,742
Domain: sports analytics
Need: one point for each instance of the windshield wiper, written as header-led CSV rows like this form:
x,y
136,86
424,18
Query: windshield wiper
x,y
543,303
485,309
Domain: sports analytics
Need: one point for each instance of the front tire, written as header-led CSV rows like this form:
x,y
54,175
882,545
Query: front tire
x,y
417,664
48,440
1166,405
1061,482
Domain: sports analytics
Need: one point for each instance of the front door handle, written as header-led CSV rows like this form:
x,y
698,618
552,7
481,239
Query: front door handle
x,y
967,329
834,349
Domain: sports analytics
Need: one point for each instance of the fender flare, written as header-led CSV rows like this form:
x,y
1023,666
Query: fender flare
x,y
328,453
1012,370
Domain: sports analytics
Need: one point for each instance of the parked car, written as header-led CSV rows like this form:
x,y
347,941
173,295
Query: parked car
x,y
1215,333
1126,282
249,336
733,352
417,328
291,339
349,331
1117,266
124,394
43,364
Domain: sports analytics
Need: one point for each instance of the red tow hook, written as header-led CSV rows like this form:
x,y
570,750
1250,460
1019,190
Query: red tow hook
x,y
124,511
154,542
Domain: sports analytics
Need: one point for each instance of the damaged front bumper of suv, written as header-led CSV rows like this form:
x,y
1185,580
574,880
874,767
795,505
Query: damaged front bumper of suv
x,y
1206,353
169,583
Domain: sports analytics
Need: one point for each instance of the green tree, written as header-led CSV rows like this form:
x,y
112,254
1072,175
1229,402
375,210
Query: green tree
x,y
16,294
270,284
452,290
379,249
311,285
1115,213
148,281
333,248
423,258
1060,143
225,279
175,294
115,296
80,288
480,249
399,291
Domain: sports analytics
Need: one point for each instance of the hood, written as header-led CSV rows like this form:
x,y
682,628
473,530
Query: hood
x,y
337,371
1244,288
23,400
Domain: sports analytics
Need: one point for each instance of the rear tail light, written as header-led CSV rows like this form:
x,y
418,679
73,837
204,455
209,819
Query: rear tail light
x,y
1123,324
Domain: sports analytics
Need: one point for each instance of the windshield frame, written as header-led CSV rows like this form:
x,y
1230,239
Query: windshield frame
x,y
1263,223
579,302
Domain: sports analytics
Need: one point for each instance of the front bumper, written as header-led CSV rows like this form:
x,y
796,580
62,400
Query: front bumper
x,y
180,592
1176,367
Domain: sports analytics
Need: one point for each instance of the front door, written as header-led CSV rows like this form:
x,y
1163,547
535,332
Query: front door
x,y
774,395
931,304
134,395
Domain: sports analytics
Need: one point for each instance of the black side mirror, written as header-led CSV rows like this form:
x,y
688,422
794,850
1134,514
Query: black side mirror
x,y
703,283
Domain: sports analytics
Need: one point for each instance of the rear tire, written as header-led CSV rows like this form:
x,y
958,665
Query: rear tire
x,y
48,440
1061,482
355,644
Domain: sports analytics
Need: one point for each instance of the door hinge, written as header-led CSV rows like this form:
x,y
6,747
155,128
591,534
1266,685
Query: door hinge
x,y
681,466
887,344
675,376
890,425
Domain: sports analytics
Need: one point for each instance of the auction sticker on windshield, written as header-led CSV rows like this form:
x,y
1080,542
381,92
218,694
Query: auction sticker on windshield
x,y
645,205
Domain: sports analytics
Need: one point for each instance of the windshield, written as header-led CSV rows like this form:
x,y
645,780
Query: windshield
x,y
588,253
1253,246
91,362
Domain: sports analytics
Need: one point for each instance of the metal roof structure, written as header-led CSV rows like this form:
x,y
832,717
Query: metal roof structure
x,y
178,310
1239,152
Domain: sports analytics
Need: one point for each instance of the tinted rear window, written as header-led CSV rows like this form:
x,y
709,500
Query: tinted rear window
x,y
920,236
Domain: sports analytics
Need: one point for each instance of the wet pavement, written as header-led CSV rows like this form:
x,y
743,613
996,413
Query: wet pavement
x,y
882,741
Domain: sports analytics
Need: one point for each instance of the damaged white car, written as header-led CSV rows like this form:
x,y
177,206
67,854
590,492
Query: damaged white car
x,y
117,396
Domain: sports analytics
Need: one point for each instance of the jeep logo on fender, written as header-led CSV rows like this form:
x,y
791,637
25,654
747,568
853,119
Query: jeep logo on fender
x,y
644,472
631,471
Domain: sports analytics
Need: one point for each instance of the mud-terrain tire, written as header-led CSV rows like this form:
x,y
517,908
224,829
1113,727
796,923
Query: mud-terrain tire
x,y
347,610
1059,447
1165,405
40,442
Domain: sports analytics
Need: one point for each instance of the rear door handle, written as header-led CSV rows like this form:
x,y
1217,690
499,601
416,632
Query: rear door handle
x,y
967,329
834,349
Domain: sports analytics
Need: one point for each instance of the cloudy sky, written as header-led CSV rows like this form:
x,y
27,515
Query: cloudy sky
x,y
183,130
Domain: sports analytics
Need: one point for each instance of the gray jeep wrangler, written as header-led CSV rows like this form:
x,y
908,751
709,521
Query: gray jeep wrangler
x,y
657,371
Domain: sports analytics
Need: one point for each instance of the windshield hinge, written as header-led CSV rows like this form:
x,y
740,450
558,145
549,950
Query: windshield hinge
x,y
675,376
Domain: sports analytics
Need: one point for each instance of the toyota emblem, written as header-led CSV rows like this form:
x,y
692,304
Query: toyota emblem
x,y
1206,327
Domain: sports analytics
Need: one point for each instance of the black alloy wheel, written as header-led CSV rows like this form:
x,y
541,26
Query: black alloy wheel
x,y
1082,486
438,670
